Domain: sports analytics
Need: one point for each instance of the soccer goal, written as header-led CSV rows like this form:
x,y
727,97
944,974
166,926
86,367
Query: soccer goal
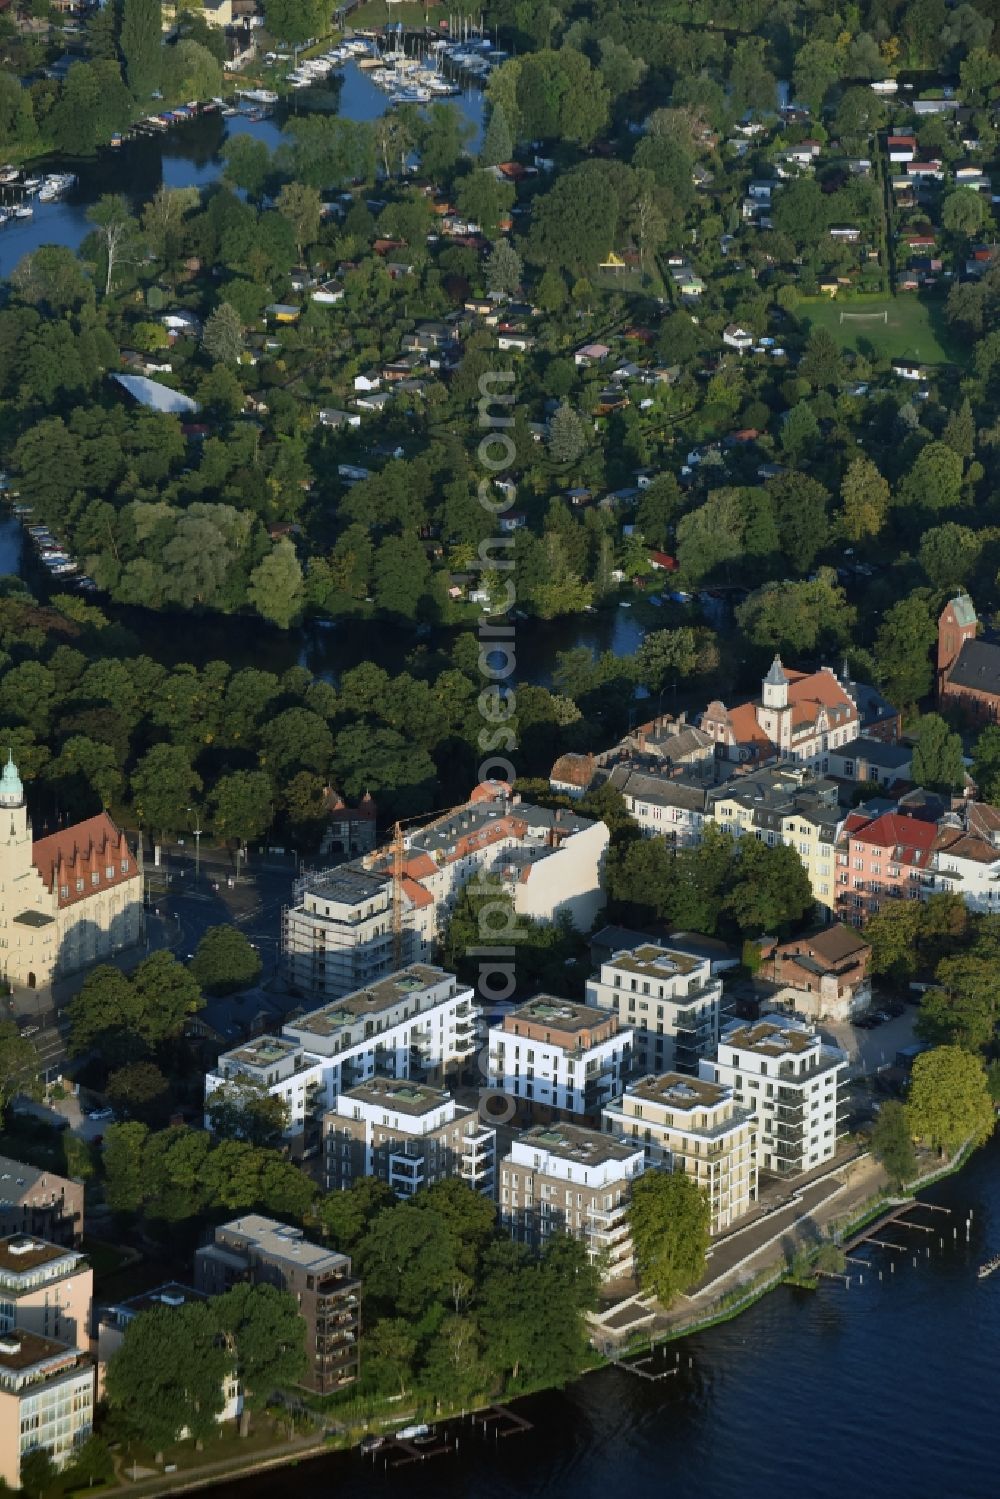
x,y
866,317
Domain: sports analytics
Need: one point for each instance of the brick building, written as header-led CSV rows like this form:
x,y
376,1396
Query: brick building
x,y
968,669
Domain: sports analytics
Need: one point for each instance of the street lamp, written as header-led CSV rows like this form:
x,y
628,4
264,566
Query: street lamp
x,y
196,830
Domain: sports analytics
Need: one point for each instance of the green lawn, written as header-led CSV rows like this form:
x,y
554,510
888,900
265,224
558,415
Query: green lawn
x,y
916,329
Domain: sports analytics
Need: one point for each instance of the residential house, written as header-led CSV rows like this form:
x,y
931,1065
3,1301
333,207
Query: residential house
x,y
889,856
786,1073
557,1059
333,418
564,1179
37,1202
407,1134
572,774
667,999
367,380
737,337
329,294
966,863
283,312
785,804
663,802
901,147
593,353
349,831
694,1126
418,1023
549,860
267,1252
825,976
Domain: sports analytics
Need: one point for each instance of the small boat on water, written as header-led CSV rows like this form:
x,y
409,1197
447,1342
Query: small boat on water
x,y
370,1444
55,185
989,1267
24,211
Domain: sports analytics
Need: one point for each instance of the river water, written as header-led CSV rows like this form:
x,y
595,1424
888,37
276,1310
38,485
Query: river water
x,y
886,1390
186,155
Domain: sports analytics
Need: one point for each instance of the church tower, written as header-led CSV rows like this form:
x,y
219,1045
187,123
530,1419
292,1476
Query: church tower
x,y
775,694
15,829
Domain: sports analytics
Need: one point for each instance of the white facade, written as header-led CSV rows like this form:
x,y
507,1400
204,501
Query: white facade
x,y
969,867
558,1058
693,1126
417,1022
667,998
784,1071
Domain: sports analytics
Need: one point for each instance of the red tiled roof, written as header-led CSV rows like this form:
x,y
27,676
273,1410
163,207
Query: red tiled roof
x,y
416,894
78,853
911,837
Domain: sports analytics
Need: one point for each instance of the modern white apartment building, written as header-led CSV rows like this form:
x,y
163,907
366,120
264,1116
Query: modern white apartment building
x,y
46,1400
565,1179
787,1074
557,1059
408,1134
667,998
691,1125
278,1066
417,1023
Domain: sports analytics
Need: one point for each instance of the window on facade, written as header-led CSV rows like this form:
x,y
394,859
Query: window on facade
x,y
95,878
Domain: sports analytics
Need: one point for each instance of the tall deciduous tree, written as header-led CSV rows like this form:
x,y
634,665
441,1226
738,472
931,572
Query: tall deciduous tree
x,y
168,1373
223,336
949,1100
669,1218
937,754
276,585
141,41
265,1339
225,960
892,1143
19,1065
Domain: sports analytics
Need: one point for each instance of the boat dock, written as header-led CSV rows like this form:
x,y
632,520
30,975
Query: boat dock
x,y
501,1421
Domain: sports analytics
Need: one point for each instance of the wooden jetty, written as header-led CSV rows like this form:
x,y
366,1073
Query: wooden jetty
x,y
642,1368
400,1452
502,1421
870,1232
